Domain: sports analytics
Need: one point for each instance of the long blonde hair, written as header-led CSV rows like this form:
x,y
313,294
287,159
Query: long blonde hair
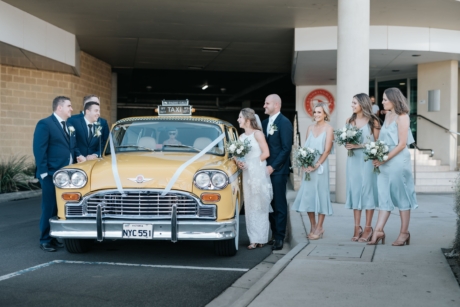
x,y
250,114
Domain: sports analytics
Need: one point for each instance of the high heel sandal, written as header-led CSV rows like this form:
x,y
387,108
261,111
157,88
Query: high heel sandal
x,y
377,239
316,237
252,246
402,243
355,239
311,233
364,240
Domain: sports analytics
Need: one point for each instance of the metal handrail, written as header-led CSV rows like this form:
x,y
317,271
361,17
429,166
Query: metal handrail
x,y
436,124
297,126
415,158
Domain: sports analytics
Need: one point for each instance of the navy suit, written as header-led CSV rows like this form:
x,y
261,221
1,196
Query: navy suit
x,y
105,128
52,150
280,145
85,146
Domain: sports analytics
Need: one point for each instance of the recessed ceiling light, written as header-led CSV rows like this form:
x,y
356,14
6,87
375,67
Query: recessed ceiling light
x,y
402,83
223,89
211,49
395,70
417,55
204,87
148,87
195,67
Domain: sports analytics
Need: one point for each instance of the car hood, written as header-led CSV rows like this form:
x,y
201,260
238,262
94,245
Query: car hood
x,y
156,168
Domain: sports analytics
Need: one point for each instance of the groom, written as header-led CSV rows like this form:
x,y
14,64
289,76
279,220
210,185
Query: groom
x,y
278,133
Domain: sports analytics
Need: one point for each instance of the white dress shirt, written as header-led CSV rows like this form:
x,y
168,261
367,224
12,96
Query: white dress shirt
x,y
271,120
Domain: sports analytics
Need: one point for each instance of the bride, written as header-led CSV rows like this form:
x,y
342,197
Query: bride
x,y
257,187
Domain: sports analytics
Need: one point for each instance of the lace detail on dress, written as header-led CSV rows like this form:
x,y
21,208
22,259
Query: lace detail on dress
x,y
258,193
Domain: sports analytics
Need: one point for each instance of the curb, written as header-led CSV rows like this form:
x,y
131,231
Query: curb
x,y
19,195
262,283
295,222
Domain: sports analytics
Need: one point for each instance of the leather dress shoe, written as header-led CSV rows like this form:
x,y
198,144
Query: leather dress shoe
x,y
47,247
278,245
56,243
271,242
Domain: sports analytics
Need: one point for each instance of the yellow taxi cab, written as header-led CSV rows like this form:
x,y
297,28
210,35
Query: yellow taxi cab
x,y
165,177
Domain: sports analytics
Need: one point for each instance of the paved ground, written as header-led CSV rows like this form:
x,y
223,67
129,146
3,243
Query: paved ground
x,y
337,272
79,280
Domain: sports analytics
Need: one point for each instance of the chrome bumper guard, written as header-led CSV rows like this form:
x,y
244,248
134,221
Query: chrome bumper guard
x,y
173,229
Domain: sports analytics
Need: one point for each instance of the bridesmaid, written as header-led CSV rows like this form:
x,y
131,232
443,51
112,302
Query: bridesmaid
x,y
395,182
314,196
361,180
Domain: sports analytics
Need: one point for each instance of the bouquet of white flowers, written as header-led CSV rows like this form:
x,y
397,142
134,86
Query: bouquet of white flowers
x,y
238,148
376,151
348,135
305,157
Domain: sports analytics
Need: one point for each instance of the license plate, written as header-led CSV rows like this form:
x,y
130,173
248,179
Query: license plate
x,y
137,231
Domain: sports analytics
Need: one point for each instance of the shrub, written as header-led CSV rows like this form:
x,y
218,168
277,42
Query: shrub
x,y
456,245
15,174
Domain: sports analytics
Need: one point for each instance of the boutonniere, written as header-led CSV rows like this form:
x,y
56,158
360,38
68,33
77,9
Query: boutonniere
x,y
71,130
273,128
98,132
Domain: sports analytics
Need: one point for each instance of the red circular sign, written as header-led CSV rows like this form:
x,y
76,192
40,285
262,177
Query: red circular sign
x,y
319,95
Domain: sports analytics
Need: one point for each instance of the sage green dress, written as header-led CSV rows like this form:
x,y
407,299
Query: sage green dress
x,y
362,193
395,181
314,195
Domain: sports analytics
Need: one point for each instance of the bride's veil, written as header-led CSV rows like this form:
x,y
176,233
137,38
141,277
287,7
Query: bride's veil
x,y
259,123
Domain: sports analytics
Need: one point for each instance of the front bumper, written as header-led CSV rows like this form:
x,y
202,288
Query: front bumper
x,y
162,230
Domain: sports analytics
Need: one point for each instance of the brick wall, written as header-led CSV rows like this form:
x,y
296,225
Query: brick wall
x,y
26,96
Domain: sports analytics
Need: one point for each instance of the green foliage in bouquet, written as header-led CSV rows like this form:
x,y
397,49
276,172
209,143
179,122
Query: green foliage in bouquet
x,y
238,148
376,151
305,157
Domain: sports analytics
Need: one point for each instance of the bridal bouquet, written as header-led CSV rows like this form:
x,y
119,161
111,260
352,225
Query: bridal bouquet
x,y
305,157
376,151
238,148
348,135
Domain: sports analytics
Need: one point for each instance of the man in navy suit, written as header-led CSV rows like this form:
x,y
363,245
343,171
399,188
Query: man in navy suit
x,y
278,133
102,122
54,148
88,131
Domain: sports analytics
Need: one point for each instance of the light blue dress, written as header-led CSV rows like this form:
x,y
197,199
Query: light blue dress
x,y
362,193
314,195
395,181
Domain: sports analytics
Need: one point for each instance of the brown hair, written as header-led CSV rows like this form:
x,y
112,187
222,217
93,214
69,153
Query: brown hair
x,y
398,100
249,114
325,109
59,100
365,103
88,98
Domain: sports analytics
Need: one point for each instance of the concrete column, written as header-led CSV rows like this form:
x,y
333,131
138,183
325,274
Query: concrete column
x,y
352,71
114,102
441,76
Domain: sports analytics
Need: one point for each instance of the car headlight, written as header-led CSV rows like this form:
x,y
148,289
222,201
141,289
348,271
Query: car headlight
x,y
219,180
68,178
61,179
211,180
202,181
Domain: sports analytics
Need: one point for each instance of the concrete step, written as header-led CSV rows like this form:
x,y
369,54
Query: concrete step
x,y
433,189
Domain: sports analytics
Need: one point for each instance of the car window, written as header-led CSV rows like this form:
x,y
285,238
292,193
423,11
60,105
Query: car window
x,y
166,136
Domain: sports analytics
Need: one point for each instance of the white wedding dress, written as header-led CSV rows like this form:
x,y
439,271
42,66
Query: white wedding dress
x,y
258,193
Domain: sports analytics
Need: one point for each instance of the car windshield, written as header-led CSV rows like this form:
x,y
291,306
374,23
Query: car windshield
x,y
166,136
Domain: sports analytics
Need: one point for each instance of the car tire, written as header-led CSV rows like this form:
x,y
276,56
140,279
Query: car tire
x,y
225,248
78,246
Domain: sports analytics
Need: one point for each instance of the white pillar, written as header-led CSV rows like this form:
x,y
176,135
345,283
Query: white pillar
x,y
114,102
352,71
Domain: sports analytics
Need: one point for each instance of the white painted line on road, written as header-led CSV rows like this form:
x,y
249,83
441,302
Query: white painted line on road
x,y
44,265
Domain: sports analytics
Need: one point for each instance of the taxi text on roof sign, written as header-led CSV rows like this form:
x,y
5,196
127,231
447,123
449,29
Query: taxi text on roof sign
x,y
174,107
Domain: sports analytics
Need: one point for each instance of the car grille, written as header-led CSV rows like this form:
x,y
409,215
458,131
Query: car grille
x,y
137,204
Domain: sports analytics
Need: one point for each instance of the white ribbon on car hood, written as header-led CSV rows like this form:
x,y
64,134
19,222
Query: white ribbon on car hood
x,y
183,166
116,176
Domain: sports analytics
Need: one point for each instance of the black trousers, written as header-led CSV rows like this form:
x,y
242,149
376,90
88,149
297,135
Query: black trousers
x,y
278,218
49,207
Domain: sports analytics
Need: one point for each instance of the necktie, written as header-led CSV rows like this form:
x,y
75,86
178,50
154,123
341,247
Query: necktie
x,y
90,132
65,129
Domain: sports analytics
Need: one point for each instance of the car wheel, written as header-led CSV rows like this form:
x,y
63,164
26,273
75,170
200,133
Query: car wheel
x,y
225,247
78,246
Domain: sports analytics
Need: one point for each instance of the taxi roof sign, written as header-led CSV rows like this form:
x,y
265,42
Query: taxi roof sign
x,y
175,108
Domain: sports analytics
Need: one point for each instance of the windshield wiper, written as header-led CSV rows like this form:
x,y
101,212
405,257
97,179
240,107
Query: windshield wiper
x,y
135,146
183,146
